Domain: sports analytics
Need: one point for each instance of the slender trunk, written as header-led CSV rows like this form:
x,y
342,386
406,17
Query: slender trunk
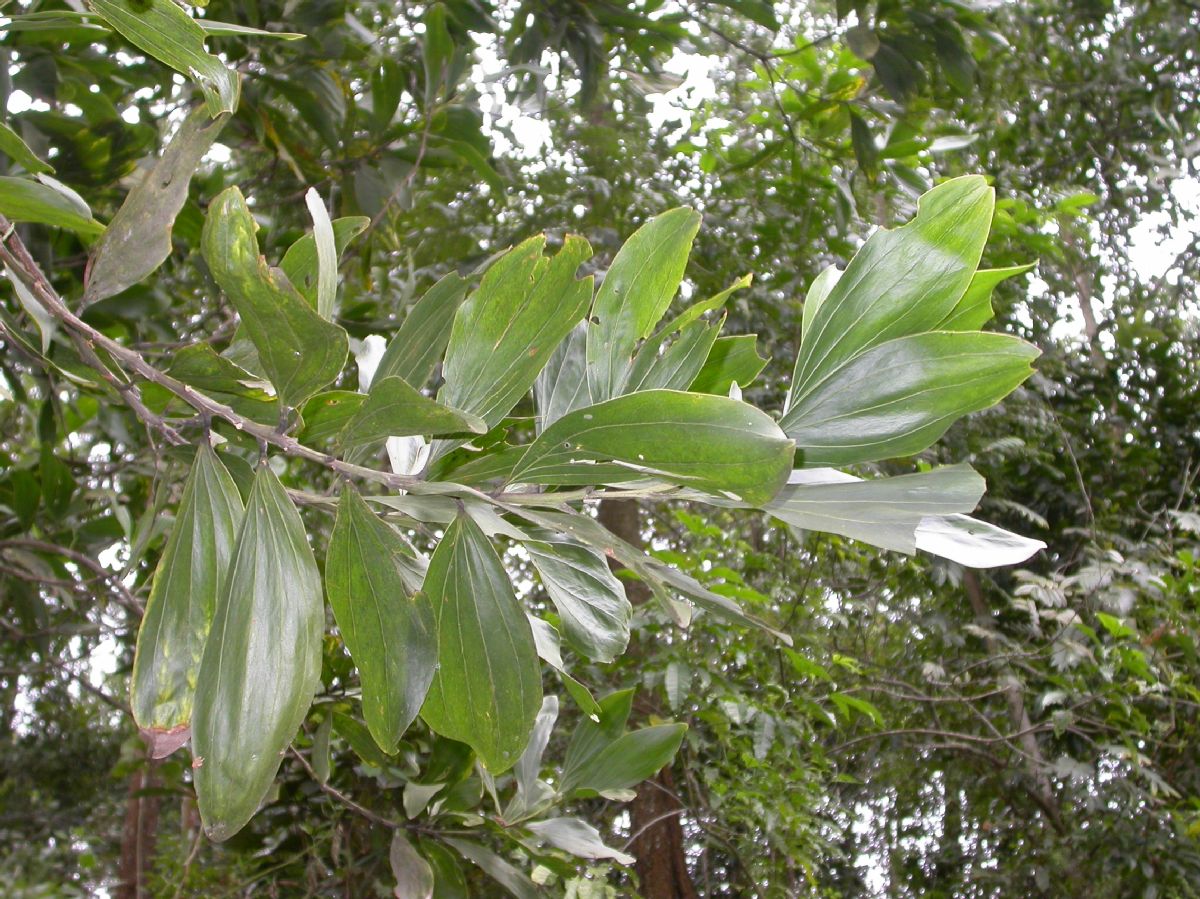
x,y
139,833
655,813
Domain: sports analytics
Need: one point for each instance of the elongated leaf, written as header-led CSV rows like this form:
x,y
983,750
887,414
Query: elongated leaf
x,y
884,512
327,414
229,29
262,661
327,254
635,293
300,262
529,766
590,600
163,30
578,838
678,365
47,324
818,293
416,348
394,409
487,689
974,310
516,882
299,350
138,239
506,331
414,876
15,148
26,200
973,543
182,602
712,443
900,283
389,634
626,761
899,397
561,387
732,360
199,366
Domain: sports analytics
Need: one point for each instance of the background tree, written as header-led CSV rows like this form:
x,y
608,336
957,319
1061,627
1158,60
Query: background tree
x,y
1017,708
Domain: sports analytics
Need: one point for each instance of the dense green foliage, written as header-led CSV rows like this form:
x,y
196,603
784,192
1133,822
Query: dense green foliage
x,y
315,319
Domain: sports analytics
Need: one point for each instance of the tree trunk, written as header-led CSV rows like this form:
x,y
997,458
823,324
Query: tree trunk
x,y
139,834
655,813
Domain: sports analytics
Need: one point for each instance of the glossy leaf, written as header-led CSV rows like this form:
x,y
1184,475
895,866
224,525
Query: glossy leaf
x,y
973,543
899,397
394,409
487,689
182,602
163,30
712,443
262,661
578,838
636,291
327,414
414,876
506,331
299,350
26,200
974,310
199,366
389,634
818,293
416,347
678,365
900,283
884,512
138,239
327,254
516,882
300,262
14,147
732,360
561,386
591,601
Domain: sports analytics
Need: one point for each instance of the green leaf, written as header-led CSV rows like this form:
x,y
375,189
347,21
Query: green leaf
x,y
732,360
299,350
138,239
635,293
678,365
229,29
901,282
394,409
199,366
865,151
327,414
899,397
516,882
46,322
15,148
359,738
182,601
591,602
761,12
506,331
416,347
884,512
26,200
262,663
163,30
974,310
389,634
488,688
818,293
437,52
414,876
627,760
300,262
561,386
847,703
713,443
